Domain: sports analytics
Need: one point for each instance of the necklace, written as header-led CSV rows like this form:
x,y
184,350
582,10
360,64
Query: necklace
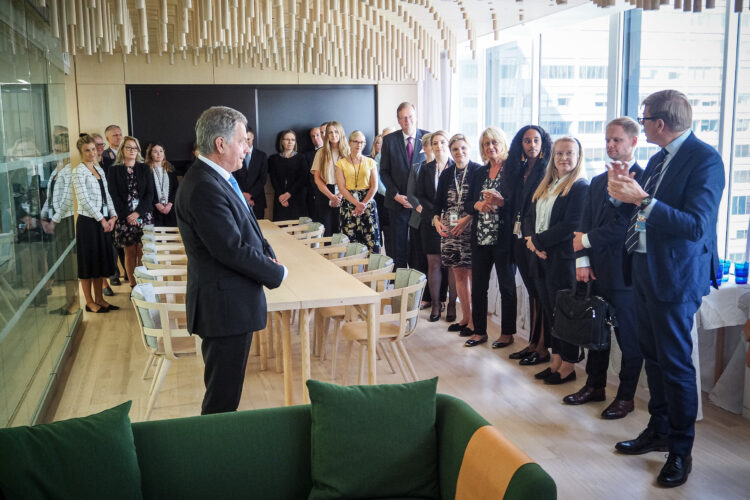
x,y
356,172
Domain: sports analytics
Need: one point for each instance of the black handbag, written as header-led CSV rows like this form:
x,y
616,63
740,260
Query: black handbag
x,y
583,319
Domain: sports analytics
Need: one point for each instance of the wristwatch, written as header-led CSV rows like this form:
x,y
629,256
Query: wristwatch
x,y
645,202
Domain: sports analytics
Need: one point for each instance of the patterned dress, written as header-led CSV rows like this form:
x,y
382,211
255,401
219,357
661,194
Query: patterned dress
x,y
364,228
125,234
456,251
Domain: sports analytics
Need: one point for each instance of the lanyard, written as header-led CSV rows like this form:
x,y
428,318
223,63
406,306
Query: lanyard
x,y
356,172
160,178
460,190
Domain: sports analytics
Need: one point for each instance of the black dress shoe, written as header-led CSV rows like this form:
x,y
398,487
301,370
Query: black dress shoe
x,y
472,342
499,345
556,379
434,317
543,374
456,327
520,354
112,307
115,282
466,332
107,292
675,471
646,441
618,409
534,359
585,395
98,311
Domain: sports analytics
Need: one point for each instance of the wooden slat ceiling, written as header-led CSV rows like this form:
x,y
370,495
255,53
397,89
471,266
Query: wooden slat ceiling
x,y
375,39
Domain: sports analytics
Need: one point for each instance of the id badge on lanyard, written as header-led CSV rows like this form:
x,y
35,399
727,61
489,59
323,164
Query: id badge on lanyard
x,y
517,227
105,211
355,195
453,218
640,222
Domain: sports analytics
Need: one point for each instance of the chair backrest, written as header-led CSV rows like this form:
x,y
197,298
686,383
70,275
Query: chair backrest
x,y
310,231
408,302
293,222
159,319
154,258
351,252
327,241
161,237
150,264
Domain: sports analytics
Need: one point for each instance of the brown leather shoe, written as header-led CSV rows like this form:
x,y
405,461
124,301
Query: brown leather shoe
x,y
618,409
585,395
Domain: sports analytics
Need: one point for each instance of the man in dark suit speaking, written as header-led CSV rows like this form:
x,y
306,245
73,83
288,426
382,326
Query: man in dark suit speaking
x,y
671,250
229,261
397,156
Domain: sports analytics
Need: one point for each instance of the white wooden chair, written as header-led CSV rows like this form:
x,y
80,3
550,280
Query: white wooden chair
x,y
163,334
396,326
333,240
293,222
311,231
161,277
365,270
153,260
161,238
340,253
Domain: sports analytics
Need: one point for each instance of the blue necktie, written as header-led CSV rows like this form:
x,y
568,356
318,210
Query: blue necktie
x,y
236,188
632,237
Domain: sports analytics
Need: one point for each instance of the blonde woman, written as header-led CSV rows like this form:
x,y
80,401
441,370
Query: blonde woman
x,y
491,238
453,224
96,220
328,199
131,185
165,185
377,143
557,206
357,180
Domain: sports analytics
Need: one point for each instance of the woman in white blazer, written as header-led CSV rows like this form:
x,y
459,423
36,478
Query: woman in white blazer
x,y
96,219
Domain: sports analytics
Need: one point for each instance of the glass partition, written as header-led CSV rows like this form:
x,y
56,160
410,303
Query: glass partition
x,y
38,286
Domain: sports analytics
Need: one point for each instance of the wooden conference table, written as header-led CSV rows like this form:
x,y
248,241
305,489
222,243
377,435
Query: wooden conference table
x,y
314,282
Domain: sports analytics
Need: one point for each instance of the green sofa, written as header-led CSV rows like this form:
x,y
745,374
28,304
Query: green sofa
x,y
265,454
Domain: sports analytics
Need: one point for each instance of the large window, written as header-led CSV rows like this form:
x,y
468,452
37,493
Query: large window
x,y
508,90
573,85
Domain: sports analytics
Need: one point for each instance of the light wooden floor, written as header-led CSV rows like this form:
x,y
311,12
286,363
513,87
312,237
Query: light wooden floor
x,y
573,444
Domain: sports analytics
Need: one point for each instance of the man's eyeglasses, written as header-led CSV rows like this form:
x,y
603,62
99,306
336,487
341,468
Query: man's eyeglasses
x,y
642,119
99,144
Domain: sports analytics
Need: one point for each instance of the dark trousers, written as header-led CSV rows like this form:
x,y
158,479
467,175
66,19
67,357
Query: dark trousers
x,y
259,210
522,257
482,259
225,359
548,285
417,257
664,336
397,237
627,338
325,213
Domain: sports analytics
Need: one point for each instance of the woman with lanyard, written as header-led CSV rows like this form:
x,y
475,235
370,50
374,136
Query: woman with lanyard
x,y
328,200
96,220
452,222
557,207
426,193
491,237
288,173
132,188
165,182
529,151
357,180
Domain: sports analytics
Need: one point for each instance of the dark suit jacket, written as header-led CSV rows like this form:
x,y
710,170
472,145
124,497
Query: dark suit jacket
x,y
557,240
411,194
505,230
426,191
606,227
117,181
228,258
252,177
108,159
521,194
681,228
394,167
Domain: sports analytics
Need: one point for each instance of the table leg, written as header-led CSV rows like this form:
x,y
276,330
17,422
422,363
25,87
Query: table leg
x,y
286,340
719,355
304,331
278,349
373,331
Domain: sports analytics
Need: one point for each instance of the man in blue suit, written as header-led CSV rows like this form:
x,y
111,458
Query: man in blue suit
x,y
599,258
397,156
672,254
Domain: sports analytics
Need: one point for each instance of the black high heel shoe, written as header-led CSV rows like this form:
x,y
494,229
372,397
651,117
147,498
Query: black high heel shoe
x,y
434,317
98,311
520,354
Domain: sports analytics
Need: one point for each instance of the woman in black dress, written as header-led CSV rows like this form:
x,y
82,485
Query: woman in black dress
x,y
96,219
529,152
288,173
426,193
131,185
165,185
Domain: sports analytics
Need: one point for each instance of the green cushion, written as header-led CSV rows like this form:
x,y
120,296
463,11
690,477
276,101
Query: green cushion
x,y
142,272
378,261
312,226
375,441
149,317
339,239
83,458
354,249
150,257
405,278
304,220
